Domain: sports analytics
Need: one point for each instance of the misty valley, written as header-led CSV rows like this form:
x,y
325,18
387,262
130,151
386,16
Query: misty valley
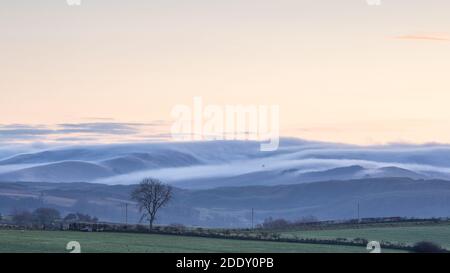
x,y
220,183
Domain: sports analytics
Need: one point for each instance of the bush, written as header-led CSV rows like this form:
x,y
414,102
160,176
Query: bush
x,y
178,228
270,223
141,228
22,218
45,217
80,217
427,247
306,220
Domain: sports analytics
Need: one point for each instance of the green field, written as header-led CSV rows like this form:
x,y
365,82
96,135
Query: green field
x,y
439,234
55,242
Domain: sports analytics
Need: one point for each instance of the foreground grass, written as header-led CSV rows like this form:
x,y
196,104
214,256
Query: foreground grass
x,y
55,242
437,233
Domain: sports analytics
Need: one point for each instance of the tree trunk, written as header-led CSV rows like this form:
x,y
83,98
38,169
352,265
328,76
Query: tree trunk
x,y
151,224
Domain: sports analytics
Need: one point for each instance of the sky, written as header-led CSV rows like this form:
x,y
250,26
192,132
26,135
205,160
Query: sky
x,y
342,71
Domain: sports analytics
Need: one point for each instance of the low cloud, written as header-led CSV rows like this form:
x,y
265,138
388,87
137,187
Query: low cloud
x,y
109,128
80,132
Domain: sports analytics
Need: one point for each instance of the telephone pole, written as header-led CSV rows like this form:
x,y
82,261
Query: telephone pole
x,y
42,198
126,214
253,214
359,219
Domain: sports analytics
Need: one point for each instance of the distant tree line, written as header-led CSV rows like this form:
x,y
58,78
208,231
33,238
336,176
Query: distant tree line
x,y
150,196
80,217
280,223
311,222
44,218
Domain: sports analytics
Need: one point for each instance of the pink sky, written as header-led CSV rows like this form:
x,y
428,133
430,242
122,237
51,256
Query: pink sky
x,y
339,70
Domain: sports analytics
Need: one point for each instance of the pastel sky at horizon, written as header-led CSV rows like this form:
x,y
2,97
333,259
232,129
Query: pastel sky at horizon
x,y
341,71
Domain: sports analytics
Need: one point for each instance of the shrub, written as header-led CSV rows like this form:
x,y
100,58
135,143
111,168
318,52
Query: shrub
x,y
270,223
141,228
80,217
45,217
22,218
427,247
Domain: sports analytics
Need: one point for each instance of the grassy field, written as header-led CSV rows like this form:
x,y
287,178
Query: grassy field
x,y
55,242
439,234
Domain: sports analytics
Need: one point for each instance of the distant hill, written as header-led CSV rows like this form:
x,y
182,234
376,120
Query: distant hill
x,y
395,172
67,171
295,176
231,206
144,161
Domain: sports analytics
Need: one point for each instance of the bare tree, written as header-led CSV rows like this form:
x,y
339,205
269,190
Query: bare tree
x,y
45,217
22,218
151,195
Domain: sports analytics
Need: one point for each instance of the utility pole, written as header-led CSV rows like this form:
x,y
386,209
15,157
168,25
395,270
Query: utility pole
x,y
359,219
126,214
253,214
126,211
42,198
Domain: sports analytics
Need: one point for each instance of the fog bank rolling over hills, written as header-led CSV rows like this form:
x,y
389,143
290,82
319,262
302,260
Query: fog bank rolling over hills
x,y
225,163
